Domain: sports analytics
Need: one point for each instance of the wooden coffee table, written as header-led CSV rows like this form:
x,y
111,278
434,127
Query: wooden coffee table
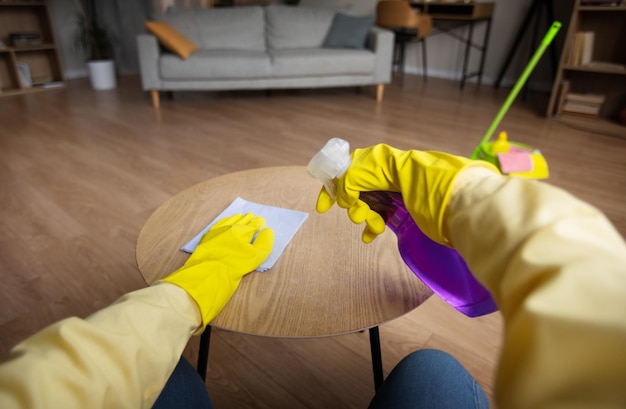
x,y
327,282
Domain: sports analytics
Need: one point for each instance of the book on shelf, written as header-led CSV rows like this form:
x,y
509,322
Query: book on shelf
x,y
580,51
581,108
584,105
588,38
597,99
25,39
23,72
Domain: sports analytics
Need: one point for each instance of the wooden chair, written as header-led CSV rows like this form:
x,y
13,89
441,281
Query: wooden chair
x,y
408,25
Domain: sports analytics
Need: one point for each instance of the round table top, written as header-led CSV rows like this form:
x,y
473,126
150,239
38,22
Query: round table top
x,y
327,281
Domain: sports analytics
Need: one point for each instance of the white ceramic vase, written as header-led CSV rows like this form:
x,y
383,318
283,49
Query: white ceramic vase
x,y
102,74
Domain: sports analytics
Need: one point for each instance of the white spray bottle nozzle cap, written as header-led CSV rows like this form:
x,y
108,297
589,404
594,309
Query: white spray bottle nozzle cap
x,y
330,163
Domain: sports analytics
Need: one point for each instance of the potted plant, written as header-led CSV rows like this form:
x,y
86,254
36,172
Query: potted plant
x,y
96,42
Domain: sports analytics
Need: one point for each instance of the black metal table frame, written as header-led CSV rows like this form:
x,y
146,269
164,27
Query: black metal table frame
x,y
467,40
377,362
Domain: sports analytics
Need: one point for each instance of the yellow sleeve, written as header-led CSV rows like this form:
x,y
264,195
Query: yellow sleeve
x,y
120,357
557,270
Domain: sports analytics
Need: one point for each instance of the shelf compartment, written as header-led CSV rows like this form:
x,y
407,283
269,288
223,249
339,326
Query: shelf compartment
x,y
43,65
611,86
609,28
16,18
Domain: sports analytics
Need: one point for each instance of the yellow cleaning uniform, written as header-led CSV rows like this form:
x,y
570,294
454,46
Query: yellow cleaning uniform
x,y
555,265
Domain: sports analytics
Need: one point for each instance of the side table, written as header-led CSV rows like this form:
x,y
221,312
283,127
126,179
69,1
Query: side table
x,y
327,282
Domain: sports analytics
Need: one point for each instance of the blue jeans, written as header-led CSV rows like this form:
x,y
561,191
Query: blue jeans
x,y
185,389
424,379
429,379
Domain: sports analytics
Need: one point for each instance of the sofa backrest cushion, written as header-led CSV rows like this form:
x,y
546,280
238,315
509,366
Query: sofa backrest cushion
x,y
348,31
297,27
230,28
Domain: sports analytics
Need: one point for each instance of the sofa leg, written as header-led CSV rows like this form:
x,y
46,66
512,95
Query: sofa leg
x,y
380,88
155,98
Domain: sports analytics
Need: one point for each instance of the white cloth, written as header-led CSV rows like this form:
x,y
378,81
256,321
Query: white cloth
x,y
284,222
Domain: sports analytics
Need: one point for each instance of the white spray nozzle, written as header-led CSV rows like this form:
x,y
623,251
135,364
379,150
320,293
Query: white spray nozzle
x,y
330,163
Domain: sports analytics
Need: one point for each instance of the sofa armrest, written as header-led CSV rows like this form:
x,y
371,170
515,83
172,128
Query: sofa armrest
x,y
381,41
149,52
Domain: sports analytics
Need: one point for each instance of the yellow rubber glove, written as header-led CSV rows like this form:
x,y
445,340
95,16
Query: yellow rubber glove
x,y
424,178
225,254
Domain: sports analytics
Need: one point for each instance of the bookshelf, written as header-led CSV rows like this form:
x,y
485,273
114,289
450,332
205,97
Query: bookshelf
x,y
599,71
28,64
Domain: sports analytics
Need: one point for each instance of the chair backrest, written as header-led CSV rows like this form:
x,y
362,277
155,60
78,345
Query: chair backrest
x,y
396,14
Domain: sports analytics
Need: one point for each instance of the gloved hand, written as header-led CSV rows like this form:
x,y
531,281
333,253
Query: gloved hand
x,y
225,254
424,178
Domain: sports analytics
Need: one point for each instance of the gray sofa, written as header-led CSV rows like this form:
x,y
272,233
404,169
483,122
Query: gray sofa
x,y
245,48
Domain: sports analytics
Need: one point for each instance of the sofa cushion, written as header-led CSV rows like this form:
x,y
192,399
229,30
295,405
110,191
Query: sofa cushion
x,y
230,28
297,27
321,61
216,64
171,39
348,31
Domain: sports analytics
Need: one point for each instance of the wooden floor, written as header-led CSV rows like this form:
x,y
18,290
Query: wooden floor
x,y
80,172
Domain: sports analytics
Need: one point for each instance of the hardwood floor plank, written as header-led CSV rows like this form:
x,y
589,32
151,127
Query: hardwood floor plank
x,y
81,172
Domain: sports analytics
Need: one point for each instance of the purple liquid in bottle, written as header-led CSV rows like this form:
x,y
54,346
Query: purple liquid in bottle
x,y
441,268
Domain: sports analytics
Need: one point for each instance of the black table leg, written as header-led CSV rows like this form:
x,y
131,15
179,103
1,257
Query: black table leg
x,y
203,353
468,45
377,361
484,52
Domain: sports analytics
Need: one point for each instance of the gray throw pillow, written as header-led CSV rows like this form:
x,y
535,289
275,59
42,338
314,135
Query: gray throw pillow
x,y
348,31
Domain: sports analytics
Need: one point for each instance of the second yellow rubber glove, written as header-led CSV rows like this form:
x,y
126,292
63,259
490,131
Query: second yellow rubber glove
x,y
226,253
424,178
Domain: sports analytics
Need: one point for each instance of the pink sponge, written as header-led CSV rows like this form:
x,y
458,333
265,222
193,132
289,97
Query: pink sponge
x,y
516,160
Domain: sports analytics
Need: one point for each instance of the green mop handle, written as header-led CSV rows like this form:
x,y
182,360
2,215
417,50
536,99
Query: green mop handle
x,y
547,39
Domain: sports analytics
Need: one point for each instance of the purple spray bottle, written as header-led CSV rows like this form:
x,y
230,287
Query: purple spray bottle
x,y
441,268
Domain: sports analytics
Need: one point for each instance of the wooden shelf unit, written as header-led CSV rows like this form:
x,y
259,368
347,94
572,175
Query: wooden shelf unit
x,y
44,62
609,26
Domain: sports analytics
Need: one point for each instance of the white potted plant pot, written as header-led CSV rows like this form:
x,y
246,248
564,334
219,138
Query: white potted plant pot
x,y
102,74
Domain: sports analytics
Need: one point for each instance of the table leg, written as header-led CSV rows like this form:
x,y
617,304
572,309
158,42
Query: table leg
x,y
377,361
401,62
484,52
203,352
468,45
